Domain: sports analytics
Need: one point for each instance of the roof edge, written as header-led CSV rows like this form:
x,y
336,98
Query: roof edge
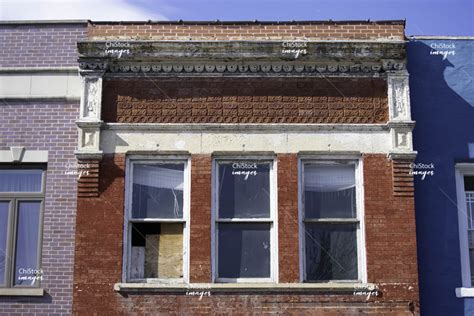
x,y
257,22
439,37
215,22
42,22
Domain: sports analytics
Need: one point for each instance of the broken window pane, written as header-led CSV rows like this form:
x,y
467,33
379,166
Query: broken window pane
x,y
158,190
157,251
4,207
26,252
21,180
331,252
244,189
329,191
244,250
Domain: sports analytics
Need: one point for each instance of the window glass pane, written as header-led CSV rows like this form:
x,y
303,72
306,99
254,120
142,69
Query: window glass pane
x,y
469,183
4,206
331,252
22,180
244,250
244,189
26,259
158,190
157,251
329,191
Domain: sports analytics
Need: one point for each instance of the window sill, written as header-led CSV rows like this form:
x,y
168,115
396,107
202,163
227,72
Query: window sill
x,y
21,292
243,287
464,292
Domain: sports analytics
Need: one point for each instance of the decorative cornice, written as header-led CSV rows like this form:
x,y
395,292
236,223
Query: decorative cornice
x,y
243,68
241,57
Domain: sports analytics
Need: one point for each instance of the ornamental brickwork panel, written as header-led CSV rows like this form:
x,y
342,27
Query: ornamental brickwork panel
x,y
247,100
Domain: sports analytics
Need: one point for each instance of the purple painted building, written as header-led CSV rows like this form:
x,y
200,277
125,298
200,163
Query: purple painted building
x,y
39,104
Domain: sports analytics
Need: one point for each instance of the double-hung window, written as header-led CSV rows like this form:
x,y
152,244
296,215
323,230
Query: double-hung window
x,y
469,192
330,226
156,225
244,220
465,205
21,205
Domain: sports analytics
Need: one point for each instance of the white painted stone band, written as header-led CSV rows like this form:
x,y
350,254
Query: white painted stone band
x,y
47,85
201,142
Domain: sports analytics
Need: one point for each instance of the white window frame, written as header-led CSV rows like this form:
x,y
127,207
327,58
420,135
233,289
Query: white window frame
x,y
131,161
360,218
272,220
462,170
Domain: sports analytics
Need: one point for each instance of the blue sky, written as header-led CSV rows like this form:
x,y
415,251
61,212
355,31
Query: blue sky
x,y
424,17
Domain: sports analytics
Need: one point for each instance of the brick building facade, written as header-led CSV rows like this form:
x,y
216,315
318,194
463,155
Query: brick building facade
x,y
39,104
245,167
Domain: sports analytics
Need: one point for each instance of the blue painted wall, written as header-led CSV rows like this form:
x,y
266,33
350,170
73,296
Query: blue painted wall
x,y
442,104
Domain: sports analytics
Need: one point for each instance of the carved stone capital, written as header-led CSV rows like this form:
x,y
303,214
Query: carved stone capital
x,y
403,156
91,97
398,97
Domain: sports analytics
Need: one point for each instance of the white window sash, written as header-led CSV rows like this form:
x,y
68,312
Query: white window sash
x,y
129,220
358,220
272,220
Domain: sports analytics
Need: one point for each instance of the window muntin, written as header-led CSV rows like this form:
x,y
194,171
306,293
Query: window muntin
x,y
156,226
244,212
21,206
330,222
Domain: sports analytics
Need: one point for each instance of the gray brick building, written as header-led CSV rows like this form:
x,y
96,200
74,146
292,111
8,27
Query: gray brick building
x,y
39,103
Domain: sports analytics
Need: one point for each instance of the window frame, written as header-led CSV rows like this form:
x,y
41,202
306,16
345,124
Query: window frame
x,y
128,219
14,198
359,219
272,220
462,170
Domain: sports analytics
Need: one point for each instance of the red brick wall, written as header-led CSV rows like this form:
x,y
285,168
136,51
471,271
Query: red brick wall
x,y
200,234
250,31
390,234
250,100
288,250
99,245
